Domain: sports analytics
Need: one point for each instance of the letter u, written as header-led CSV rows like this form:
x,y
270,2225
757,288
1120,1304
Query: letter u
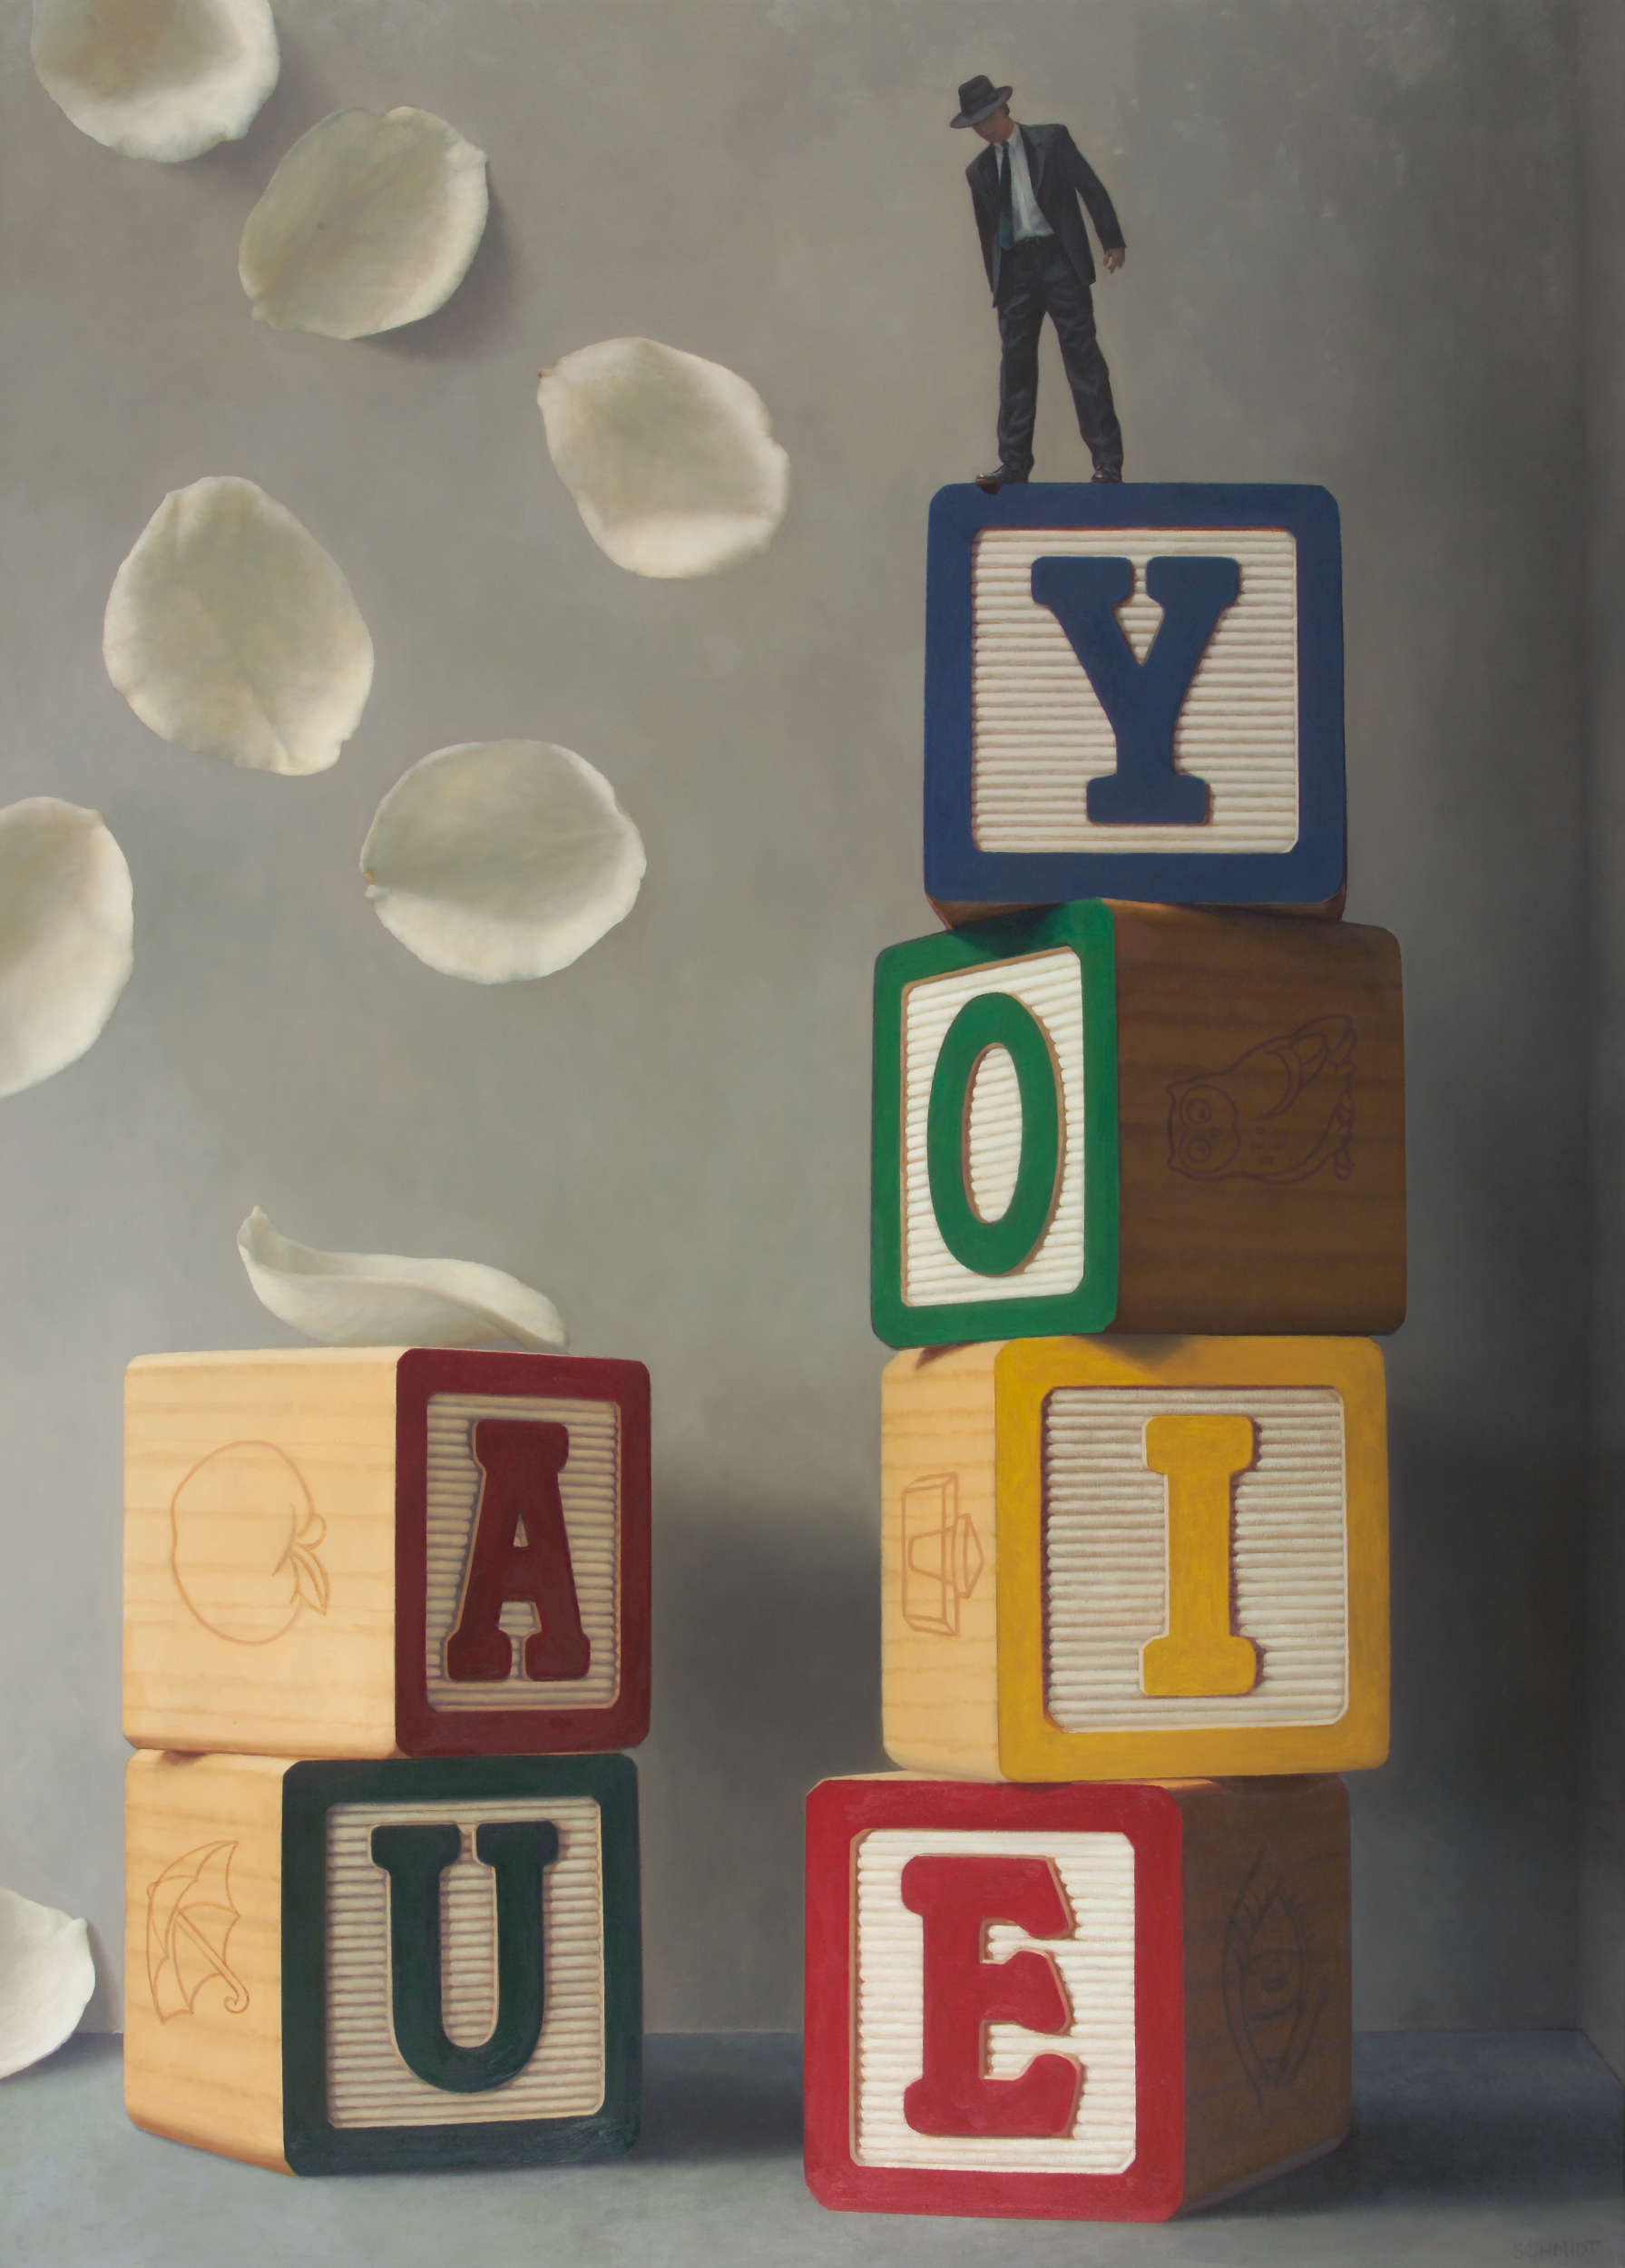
x,y
518,1853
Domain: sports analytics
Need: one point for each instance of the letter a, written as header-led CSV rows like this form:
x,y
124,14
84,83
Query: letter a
x,y
521,1462
519,1853
1198,1654
956,1895
1142,699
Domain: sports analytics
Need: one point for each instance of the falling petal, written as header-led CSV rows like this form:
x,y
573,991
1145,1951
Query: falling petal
x,y
46,1978
377,1299
368,223
670,458
500,859
164,79
230,630
66,936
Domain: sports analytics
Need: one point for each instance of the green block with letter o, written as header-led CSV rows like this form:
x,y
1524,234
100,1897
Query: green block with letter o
x,y
995,1192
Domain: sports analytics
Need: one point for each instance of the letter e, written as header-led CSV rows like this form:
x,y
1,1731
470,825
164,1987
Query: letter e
x,y
956,1895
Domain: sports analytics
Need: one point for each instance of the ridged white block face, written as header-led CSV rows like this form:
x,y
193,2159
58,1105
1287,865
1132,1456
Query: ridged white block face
x,y
1096,1969
1106,1556
589,1490
1039,734
1050,986
368,2083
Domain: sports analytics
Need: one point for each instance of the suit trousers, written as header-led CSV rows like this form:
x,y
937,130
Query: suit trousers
x,y
1035,279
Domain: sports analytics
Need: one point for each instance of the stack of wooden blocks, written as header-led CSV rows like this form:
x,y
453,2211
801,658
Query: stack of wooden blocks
x,y
1139,1202
385,1611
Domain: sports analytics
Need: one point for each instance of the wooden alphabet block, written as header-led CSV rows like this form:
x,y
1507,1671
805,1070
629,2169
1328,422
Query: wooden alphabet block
x,y
1134,691
1129,1118
367,1967
1073,2003
372,1551
1135,1559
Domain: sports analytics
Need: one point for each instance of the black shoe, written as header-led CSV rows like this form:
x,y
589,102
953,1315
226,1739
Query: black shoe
x,y
1005,477
1108,473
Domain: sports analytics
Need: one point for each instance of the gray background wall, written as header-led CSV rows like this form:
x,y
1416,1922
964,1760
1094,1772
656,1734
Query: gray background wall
x,y
1602,1876
1354,246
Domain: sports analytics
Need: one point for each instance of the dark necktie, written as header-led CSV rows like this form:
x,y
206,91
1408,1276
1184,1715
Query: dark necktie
x,y
1006,199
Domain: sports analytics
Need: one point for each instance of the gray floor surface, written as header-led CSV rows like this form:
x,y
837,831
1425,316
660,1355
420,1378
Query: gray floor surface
x,y
1475,2148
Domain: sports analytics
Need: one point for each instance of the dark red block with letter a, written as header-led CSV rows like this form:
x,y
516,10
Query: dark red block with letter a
x,y
551,1604
378,1551
1086,2002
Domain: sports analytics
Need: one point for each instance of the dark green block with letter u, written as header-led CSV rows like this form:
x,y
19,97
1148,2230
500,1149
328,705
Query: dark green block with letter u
x,y
557,1837
342,1967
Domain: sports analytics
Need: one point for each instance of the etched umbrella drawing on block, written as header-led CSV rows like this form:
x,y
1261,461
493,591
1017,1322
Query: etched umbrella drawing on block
x,y
191,1914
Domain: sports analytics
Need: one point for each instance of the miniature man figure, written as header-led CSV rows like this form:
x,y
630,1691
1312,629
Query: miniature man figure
x,y
1025,187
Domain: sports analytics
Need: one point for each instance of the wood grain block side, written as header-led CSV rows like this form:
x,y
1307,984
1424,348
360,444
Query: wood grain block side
x,y
259,1551
1267,2008
956,915
381,1966
1261,1124
939,1563
204,1952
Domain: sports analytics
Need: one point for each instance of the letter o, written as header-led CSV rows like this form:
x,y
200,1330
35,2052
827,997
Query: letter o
x,y
994,1248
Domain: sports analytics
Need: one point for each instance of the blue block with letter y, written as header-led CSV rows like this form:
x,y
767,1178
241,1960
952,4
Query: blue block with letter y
x,y
1134,691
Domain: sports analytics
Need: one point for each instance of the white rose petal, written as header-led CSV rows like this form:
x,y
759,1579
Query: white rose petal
x,y
501,859
376,1299
230,630
670,458
46,1978
164,79
66,936
368,223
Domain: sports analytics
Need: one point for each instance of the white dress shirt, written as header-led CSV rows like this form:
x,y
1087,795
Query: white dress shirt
x,y
1024,206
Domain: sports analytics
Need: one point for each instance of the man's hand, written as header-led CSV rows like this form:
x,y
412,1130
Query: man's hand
x,y
1114,257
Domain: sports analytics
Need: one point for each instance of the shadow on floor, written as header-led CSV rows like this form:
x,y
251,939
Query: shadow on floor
x,y
733,2097
1481,2118
1441,2120
1489,2119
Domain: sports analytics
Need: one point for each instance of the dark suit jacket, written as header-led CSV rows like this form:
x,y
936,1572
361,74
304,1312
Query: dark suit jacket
x,y
1061,175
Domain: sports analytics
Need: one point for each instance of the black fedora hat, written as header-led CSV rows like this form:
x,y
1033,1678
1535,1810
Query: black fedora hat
x,y
978,99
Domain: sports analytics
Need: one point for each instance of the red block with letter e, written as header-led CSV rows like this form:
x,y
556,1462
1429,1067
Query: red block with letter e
x,y
1085,2002
378,1552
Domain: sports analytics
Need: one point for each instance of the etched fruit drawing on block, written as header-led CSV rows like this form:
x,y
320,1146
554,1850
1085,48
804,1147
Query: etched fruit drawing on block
x,y
244,1538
